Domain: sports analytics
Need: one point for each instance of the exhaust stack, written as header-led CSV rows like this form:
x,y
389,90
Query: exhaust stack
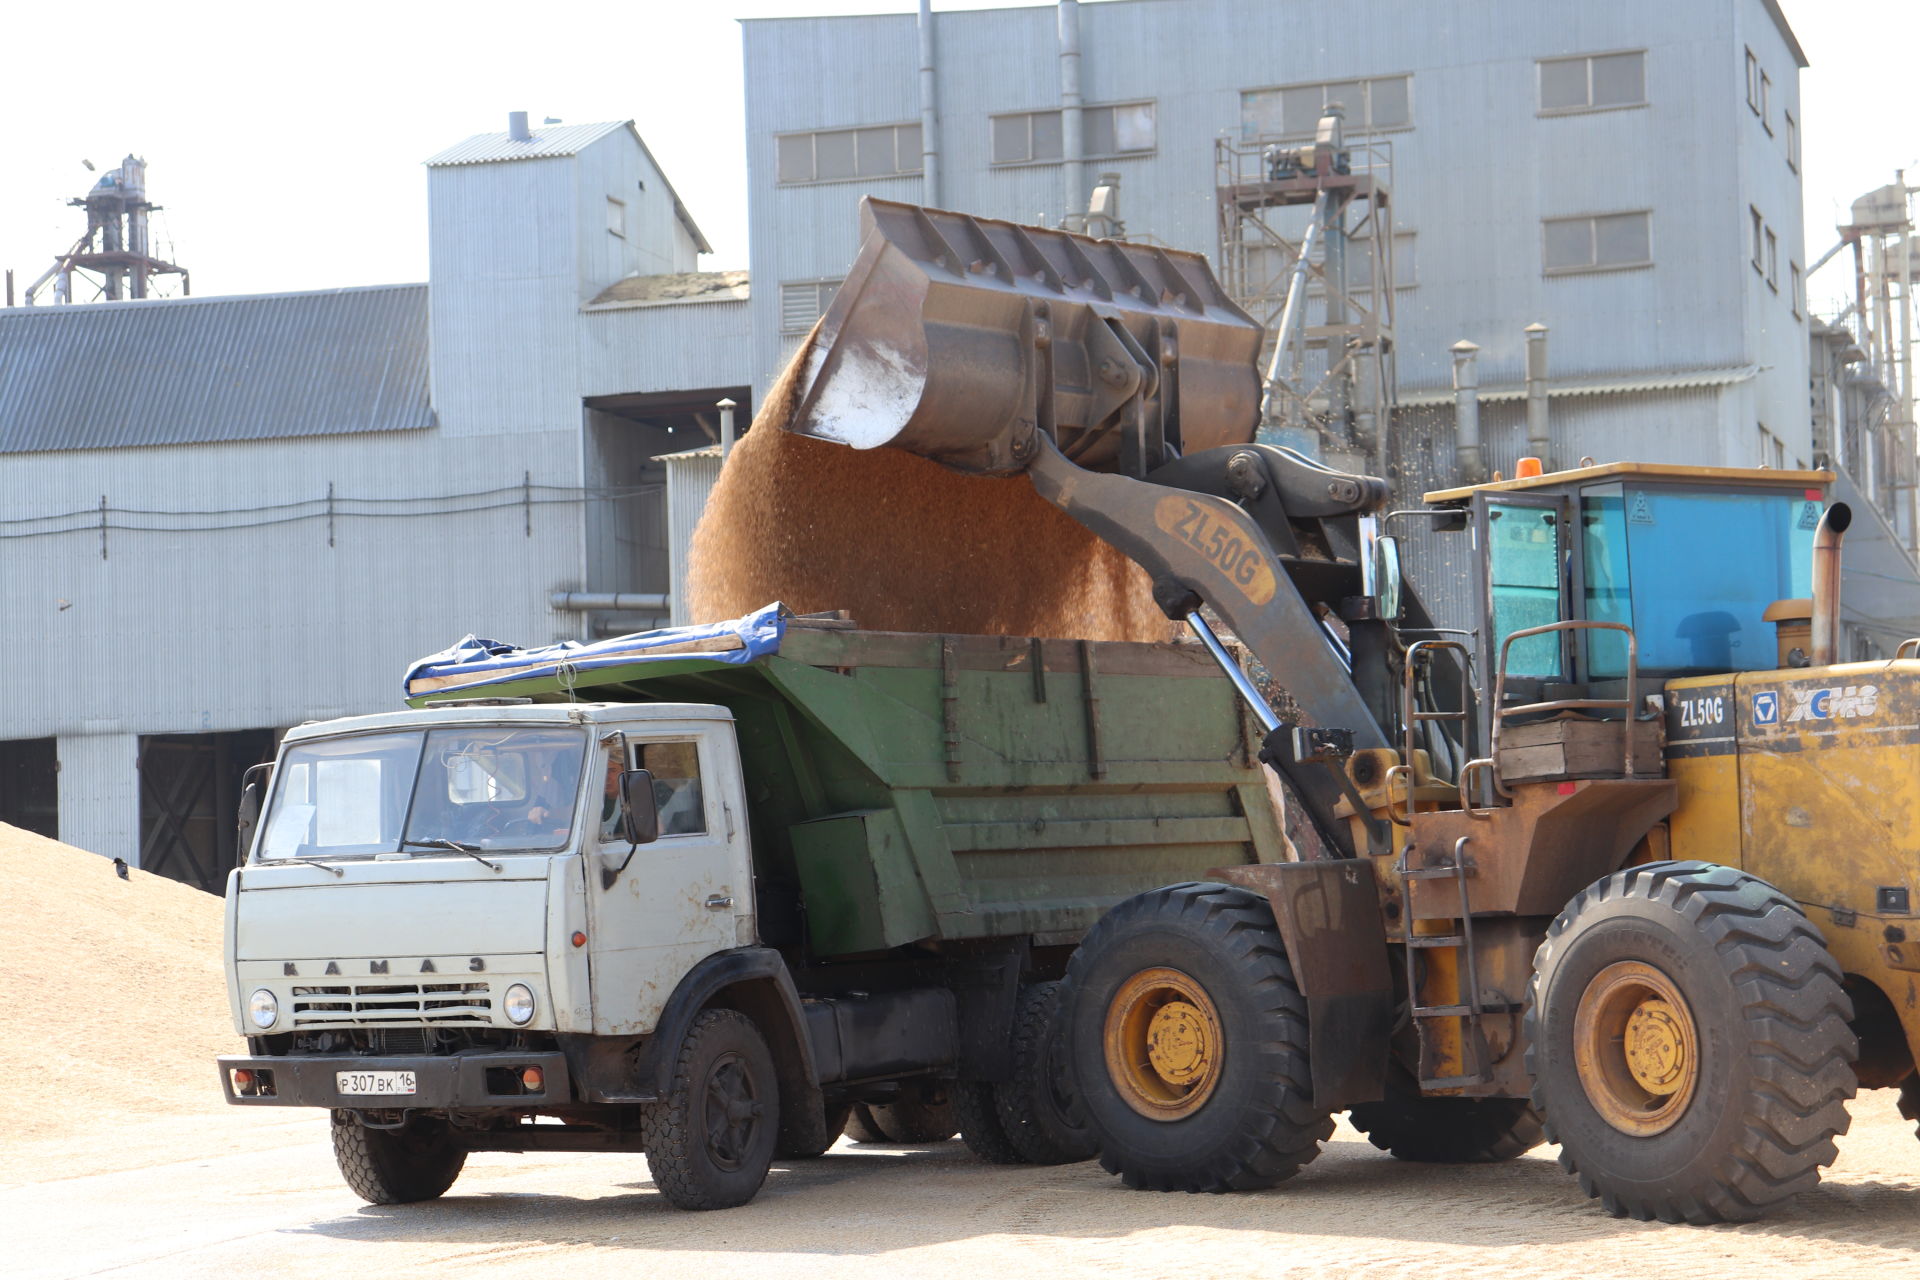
x,y
1826,582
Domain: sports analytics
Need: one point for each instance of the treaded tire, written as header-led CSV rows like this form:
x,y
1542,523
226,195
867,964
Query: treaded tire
x,y
863,1127
1038,1111
923,1113
1775,1052
1258,1126
396,1166
819,1141
1411,1126
1910,1099
710,1140
979,1118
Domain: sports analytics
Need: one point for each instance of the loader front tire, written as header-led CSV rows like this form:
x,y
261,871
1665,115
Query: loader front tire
x,y
1187,1043
1440,1130
396,1166
1688,1043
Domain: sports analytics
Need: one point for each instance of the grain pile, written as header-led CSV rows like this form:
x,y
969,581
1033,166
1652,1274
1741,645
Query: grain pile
x,y
902,543
116,1000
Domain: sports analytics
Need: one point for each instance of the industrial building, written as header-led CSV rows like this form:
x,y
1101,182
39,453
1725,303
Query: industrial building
x,y
225,516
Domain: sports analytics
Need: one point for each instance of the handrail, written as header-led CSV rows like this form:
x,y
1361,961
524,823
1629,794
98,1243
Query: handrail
x,y
1907,649
1501,711
1418,653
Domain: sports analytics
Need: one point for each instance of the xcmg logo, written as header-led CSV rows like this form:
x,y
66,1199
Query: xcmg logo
x,y
1844,702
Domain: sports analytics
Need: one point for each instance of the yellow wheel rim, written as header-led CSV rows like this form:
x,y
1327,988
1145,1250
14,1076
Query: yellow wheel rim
x,y
1636,1048
1163,1044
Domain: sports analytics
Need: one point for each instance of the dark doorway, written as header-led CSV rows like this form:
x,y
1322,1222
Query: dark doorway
x,y
189,796
30,785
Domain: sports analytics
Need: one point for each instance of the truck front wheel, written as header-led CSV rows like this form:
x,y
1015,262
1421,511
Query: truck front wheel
x,y
1688,1043
1187,1043
710,1139
396,1166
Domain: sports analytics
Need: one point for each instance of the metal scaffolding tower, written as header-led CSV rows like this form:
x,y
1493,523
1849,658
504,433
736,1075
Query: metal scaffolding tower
x,y
1329,385
114,253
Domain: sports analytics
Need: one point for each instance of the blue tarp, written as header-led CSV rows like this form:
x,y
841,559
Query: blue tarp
x,y
479,663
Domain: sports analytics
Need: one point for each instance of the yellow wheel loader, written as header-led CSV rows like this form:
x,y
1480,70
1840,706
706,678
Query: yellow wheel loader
x,y
1626,865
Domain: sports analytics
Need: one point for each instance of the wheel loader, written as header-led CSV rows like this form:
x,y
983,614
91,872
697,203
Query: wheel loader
x,y
1627,865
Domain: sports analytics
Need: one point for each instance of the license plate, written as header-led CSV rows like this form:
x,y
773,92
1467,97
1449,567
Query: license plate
x,y
373,1082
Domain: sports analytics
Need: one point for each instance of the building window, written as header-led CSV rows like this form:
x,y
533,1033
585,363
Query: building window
x,y
1793,141
1759,239
802,302
1753,82
1598,242
617,217
1766,103
1773,261
1773,450
1038,137
1293,111
1793,296
1360,263
1593,82
837,155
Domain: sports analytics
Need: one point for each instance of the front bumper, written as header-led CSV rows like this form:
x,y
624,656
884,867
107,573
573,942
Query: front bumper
x,y
470,1080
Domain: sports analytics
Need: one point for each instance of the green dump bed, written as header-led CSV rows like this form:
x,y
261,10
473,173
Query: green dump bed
x,y
909,788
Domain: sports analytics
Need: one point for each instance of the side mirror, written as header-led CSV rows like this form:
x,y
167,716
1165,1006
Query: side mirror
x,y
640,812
1386,576
253,794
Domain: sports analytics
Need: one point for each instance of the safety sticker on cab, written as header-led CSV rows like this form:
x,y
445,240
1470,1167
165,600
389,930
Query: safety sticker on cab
x,y
1840,702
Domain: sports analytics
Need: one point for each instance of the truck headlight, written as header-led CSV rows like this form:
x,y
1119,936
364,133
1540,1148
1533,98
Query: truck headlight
x,y
263,1008
518,1004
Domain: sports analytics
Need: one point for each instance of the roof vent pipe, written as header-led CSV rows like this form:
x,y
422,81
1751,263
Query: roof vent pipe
x,y
1539,444
517,127
929,114
1826,583
1467,452
726,407
1072,127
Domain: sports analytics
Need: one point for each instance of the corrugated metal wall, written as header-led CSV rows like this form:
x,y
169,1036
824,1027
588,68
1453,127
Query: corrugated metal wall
x,y
690,478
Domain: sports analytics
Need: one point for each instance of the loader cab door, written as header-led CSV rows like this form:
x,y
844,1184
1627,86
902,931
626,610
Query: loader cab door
x,y
1523,584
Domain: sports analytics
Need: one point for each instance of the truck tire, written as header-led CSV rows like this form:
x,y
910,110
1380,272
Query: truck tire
x,y
978,1114
1688,1043
1038,1112
1909,1102
862,1127
1410,1126
396,1166
710,1139
922,1113
1187,1043
822,1140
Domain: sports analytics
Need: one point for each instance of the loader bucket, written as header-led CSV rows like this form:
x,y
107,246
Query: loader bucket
x,y
962,338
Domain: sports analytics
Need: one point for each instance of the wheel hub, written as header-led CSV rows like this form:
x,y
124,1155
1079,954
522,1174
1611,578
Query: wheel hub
x,y
1636,1048
1163,1043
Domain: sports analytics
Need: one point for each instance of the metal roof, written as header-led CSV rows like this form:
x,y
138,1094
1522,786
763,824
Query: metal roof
x,y
561,140
1677,381
195,370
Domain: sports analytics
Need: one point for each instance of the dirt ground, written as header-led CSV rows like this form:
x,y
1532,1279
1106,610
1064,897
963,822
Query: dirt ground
x,y
230,1193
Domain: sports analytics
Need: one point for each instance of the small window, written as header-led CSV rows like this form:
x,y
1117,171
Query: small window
x,y
1597,242
1766,102
1773,261
1773,450
1593,82
1793,292
1293,111
1753,82
617,217
676,786
1793,141
836,155
1039,137
1360,264
803,302
1759,239
1124,129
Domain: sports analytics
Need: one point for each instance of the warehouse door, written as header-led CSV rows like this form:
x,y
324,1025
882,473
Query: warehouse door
x,y
189,796
30,785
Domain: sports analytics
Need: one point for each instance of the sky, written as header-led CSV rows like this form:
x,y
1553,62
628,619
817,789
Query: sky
x,y
285,141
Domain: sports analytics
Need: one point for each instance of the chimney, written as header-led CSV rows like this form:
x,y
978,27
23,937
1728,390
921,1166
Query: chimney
x,y
517,127
1539,443
1466,391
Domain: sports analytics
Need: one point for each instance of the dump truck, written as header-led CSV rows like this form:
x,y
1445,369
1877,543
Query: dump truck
x,y
1625,864
710,891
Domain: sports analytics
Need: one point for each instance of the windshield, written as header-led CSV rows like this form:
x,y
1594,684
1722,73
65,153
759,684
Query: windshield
x,y
497,789
1691,572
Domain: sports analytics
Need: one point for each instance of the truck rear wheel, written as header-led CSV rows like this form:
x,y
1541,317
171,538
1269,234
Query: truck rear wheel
x,y
978,1114
1187,1043
1688,1044
1411,1126
396,1166
1038,1111
710,1140
863,1127
922,1113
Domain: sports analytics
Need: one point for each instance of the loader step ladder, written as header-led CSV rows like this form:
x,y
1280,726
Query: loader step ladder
x,y
1474,1053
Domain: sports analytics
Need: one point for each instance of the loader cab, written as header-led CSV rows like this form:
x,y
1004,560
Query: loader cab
x,y
1691,558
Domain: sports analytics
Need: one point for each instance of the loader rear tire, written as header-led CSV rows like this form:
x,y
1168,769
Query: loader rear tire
x,y
1038,1110
1187,1043
1411,1126
396,1166
980,1128
1688,1043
